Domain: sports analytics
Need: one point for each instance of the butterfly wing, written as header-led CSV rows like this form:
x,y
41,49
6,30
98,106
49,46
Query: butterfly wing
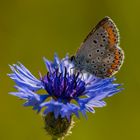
x,y
100,53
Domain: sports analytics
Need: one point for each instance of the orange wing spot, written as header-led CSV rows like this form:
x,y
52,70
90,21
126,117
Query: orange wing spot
x,y
111,35
116,53
109,71
113,66
116,62
117,57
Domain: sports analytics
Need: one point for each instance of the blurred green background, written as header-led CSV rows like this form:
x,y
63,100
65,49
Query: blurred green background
x,y
31,29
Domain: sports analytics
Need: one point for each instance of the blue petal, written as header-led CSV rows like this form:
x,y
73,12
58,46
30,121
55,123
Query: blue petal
x,y
24,78
99,83
32,99
56,61
48,65
65,110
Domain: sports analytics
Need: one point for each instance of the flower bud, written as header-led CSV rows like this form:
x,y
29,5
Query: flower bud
x,y
58,127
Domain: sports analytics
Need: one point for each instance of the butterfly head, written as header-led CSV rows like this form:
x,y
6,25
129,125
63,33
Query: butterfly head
x,y
77,62
72,58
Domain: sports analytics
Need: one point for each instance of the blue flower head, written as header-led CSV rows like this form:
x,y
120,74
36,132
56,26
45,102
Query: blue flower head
x,y
66,92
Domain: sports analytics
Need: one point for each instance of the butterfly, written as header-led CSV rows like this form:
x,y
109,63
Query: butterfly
x,y
100,53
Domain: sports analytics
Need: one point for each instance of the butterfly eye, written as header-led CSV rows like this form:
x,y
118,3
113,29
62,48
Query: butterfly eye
x,y
72,58
93,62
104,40
101,45
108,54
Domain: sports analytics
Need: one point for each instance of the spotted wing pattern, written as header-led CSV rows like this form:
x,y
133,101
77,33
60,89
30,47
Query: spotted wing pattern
x,y
100,53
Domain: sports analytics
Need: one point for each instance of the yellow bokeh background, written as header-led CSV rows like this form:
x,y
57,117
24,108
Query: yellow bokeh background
x,y
31,29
